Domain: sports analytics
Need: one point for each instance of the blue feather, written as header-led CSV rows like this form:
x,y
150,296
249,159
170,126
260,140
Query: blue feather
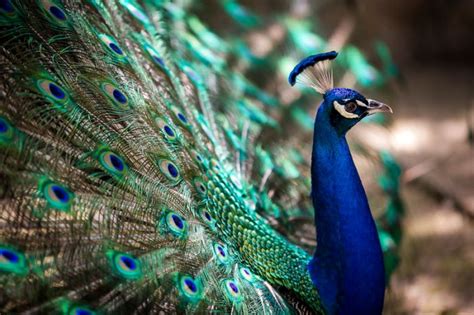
x,y
347,268
308,62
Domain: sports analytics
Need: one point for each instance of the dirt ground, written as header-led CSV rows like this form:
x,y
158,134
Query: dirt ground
x,y
431,139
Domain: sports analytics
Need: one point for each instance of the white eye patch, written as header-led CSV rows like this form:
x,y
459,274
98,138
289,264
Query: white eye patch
x,y
341,110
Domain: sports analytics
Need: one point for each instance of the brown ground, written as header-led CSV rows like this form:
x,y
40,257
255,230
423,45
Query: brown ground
x,y
430,138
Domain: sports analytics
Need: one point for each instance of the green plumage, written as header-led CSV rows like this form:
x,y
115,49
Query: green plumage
x,y
133,178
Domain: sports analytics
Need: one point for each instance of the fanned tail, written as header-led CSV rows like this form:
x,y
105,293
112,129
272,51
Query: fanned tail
x,y
103,146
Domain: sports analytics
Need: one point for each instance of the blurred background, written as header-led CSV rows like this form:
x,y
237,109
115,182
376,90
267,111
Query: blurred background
x,y
417,56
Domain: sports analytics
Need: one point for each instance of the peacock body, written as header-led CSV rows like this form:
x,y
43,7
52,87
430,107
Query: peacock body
x,y
124,189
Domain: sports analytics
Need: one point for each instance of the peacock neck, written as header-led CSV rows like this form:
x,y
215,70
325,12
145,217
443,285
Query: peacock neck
x,y
347,268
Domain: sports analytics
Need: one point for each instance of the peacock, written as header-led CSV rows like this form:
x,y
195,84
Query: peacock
x,y
135,177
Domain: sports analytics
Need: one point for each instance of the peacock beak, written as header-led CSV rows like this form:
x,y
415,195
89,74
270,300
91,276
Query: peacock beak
x,y
378,107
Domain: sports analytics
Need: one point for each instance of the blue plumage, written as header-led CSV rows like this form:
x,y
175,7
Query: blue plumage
x,y
347,268
308,62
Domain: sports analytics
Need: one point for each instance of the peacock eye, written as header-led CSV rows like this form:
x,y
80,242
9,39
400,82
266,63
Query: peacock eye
x,y
190,288
81,310
113,47
232,291
113,163
12,261
118,98
55,12
124,265
246,274
221,253
6,7
58,196
176,225
169,169
7,132
350,107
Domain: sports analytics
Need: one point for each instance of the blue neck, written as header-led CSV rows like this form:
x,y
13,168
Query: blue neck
x,y
347,268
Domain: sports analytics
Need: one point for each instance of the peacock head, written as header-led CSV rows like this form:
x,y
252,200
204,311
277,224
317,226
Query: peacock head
x,y
347,107
343,108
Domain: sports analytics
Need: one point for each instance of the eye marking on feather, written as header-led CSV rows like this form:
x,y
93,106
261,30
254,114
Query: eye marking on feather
x,y
7,8
52,91
246,274
206,217
215,165
200,187
7,131
174,224
112,46
135,11
12,261
58,196
182,119
113,163
124,265
342,110
118,98
155,57
169,169
221,253
197,157
232,291
81,310
55,12
189,288
167,130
